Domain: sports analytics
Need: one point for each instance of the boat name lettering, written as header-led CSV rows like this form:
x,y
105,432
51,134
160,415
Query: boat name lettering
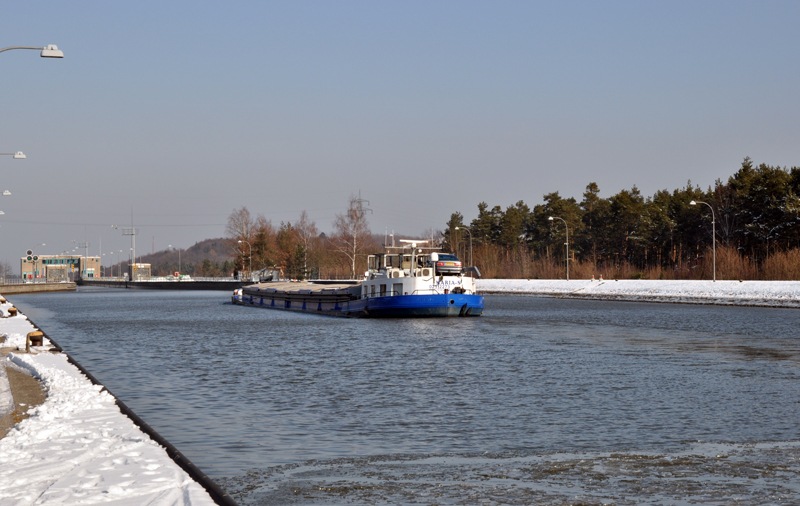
x,y
445,284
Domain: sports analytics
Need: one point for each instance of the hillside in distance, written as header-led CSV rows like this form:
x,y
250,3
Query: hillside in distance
x,y
216,251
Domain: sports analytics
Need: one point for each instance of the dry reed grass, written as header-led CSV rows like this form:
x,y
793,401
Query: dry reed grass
x,y
495,262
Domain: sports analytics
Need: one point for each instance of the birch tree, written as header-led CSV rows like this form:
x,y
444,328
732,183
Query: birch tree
x,y
307,234
352,232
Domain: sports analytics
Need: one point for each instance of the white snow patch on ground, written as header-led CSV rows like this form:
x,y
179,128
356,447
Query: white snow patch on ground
x,y
749,293
6,400
78,448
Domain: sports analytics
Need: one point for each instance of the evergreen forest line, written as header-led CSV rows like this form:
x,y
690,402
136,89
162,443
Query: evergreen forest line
x,y
628,235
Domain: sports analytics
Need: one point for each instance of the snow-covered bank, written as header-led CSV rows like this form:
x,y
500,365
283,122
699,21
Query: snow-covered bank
x,y
6,400
746,293
77,447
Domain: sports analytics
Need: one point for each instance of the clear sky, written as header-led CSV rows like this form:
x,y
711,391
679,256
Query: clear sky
x,y
183,111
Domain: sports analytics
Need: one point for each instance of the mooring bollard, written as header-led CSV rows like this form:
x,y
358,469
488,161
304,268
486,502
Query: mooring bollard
x,y
12,311
35,338
2,300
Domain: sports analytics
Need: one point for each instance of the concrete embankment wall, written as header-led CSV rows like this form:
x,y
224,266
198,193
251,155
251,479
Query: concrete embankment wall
x,y
37,287
166,285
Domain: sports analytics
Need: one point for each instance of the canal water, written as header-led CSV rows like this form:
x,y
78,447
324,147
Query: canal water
x,y
538,401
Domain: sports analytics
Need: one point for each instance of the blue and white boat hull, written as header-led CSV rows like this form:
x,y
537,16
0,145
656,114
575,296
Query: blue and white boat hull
x,y
415,306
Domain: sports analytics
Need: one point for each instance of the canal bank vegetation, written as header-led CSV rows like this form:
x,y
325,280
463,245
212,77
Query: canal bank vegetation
x,y
756,213
299,250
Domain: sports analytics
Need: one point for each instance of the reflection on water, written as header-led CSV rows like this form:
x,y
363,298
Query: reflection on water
x,y
254,395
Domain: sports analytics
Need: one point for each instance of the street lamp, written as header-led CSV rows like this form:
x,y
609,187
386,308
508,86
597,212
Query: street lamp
x,y
49,51
18,155
250,256
470,243
769,234
551,218
713,233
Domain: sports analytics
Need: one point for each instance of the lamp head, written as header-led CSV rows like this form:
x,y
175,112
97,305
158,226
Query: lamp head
x,y
693,203
6,193
457,228
19,155
550,218
52,51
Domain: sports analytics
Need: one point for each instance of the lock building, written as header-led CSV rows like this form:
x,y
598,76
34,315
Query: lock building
x,y
53,268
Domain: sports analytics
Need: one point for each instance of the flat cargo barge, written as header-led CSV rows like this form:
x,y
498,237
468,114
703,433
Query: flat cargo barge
x,y
397,285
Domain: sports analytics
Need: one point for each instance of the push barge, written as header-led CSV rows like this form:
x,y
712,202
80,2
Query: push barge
x,y
398,284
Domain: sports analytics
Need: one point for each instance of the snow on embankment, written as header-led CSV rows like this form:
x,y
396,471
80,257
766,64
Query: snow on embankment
x,y
7,405
77,447
747,293
6,400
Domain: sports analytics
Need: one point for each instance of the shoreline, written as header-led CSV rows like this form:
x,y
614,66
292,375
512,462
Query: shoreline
x,y
774,294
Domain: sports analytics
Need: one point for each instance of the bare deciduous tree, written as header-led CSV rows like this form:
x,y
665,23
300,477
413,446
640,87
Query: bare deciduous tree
x,y
352,232
6,271
307,234
240,227
264,247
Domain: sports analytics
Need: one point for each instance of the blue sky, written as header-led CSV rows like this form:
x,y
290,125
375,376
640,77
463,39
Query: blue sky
x,y
184,111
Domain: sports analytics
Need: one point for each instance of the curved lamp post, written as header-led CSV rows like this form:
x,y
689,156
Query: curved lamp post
x,y
470,243
769,234
713,233
49,51
551,218
250,257
19,155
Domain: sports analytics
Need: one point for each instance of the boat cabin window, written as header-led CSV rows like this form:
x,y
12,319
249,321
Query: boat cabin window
x,y
397,289
372,291
373,262
383,290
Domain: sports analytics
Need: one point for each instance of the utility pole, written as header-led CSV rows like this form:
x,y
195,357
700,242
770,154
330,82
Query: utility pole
x,y
85,245
133,232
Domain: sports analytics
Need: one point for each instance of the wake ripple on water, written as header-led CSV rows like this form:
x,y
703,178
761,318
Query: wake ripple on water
x,y
705,473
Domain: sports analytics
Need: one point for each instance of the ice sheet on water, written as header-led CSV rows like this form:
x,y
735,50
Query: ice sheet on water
x,y
761,473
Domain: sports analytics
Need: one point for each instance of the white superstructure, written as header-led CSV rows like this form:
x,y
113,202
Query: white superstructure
x,y
410,270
